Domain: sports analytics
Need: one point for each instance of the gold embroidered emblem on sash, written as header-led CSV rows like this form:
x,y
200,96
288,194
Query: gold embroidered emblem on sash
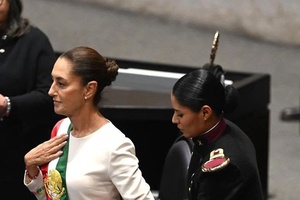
x,y
53,185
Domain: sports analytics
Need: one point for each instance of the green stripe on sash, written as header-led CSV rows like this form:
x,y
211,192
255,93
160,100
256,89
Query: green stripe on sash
x,y
61,166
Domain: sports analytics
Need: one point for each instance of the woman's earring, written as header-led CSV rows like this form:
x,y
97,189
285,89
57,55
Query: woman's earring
x,y
85,98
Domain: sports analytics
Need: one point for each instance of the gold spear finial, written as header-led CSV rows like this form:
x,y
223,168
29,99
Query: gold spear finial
x,y
214,48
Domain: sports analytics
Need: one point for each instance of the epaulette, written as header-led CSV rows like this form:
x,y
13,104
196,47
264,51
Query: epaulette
x,y
217,161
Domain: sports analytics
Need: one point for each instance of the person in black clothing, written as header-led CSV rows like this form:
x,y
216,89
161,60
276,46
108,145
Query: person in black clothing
x,y
223,165
26,110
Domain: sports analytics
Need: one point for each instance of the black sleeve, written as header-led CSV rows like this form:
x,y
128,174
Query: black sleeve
x,y
223,184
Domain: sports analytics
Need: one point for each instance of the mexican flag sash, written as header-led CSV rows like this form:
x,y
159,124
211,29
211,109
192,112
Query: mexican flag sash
x,y
54,173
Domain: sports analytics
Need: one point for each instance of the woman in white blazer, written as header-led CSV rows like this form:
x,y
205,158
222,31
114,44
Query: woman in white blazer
x,y
87,157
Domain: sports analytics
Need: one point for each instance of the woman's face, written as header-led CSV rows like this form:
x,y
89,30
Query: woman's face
x,y
66,90
190,123
4,9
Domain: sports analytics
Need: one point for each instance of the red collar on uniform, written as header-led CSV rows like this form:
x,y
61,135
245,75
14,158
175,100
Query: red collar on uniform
x,y
215,133
211,135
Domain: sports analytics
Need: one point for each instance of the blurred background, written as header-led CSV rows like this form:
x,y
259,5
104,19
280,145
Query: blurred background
x,y
255,36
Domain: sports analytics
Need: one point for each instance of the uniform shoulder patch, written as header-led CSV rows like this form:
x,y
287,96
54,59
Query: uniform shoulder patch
x,y
217,161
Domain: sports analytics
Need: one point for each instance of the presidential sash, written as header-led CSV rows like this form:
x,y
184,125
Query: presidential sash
x,y
54,173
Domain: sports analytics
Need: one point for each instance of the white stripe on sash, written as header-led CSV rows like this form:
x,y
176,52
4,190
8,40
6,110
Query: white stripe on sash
x,y
63,128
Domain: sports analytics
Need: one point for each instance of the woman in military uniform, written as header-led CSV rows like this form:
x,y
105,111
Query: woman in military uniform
x,y
223,165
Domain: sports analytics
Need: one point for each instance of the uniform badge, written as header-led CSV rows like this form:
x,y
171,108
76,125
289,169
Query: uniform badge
x,y
217,161
53,185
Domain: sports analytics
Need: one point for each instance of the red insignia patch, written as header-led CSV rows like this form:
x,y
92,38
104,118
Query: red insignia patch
x,y
216,161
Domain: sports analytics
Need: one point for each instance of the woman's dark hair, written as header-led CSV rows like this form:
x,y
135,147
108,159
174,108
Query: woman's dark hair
x,y
200,87
16,25
88,64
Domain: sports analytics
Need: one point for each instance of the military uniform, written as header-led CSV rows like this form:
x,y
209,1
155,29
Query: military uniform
x,y
223,166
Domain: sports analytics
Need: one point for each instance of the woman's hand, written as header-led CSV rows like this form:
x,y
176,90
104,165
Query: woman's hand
x,y
45,152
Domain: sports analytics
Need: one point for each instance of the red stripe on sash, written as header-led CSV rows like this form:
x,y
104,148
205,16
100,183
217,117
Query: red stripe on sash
x,y
44,168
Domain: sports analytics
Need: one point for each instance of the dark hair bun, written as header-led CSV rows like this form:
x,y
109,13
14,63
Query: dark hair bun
x,y
112,71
